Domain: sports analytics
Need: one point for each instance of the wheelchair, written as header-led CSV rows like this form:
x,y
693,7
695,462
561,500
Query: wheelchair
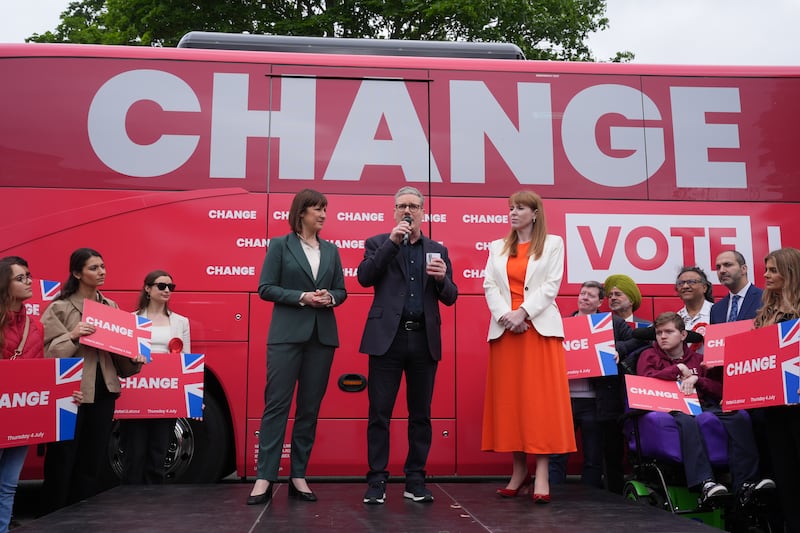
x,y
658,478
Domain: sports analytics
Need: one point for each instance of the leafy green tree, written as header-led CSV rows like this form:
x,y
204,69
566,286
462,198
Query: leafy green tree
x,y
543,29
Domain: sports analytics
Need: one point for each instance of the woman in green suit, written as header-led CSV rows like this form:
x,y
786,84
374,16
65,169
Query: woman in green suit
x,y
302,275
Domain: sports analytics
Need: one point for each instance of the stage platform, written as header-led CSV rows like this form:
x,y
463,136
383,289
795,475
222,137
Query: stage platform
x,y
458,507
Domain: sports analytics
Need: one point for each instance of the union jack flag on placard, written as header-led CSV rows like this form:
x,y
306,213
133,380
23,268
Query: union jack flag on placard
x,y
606,351
144,327
194,399
66,418
50,289
788,333
192,362
791,380
69,370
693,405
600,322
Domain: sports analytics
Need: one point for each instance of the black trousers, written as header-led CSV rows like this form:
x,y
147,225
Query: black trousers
x,y
308,366
409,355
783,428
71,467
144,443
742,450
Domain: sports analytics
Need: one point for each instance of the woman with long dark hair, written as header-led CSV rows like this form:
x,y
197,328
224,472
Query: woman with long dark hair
x,y
71,467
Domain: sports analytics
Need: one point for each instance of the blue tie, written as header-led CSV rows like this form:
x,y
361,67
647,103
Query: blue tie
x,y
734,314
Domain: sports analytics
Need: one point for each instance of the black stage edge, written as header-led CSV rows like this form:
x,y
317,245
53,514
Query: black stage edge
x,y
458,507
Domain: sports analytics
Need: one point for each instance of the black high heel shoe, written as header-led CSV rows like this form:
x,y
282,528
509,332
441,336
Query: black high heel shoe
x,y
260,499
299,495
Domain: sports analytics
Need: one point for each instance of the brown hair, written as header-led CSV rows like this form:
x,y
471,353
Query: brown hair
x,y
539,233
149,280
775,303
5,298
670,317
302,201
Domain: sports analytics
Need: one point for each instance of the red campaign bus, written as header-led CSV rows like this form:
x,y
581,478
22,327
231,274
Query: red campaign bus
x,y
187,159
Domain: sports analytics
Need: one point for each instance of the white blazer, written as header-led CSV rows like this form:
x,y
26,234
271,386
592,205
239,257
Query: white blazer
x,y
178,327
542,281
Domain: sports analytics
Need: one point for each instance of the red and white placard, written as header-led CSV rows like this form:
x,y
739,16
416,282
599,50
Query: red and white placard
x,y
589,346
36,400
714,340
116,331
169,386
762,367
655,394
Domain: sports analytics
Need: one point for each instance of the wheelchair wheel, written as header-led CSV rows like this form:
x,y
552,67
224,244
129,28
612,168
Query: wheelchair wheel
x,y
641,493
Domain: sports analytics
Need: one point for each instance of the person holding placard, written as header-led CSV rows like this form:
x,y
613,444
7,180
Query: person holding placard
x,y
71,467
781,302
672,359
527,407
21,337
597,407
145,441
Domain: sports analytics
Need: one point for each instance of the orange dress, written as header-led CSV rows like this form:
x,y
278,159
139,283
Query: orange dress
x,y
527,406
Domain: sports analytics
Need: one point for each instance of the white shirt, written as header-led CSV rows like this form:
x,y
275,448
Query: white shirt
x,y
159,339
697,322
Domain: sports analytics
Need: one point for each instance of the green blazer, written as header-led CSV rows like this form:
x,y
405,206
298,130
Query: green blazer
x,y
286,274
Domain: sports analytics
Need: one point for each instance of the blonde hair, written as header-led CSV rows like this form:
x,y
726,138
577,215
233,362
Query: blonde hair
x,y
539,232
776,303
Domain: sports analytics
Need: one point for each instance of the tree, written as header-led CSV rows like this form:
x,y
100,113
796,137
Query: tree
x,y
543,29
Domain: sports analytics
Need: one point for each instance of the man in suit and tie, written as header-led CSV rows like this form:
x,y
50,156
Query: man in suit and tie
x,y
744,299
410,275
741,303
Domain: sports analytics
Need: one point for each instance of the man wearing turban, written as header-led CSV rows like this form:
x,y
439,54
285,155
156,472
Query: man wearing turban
x,y
624,298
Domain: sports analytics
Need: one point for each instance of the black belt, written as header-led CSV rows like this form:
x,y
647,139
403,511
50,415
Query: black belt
x,y
412,325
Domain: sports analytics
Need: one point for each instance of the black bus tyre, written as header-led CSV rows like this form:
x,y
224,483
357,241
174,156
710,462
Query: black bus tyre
x,y
197,453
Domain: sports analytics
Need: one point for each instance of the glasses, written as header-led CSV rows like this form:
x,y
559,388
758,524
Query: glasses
x,y
411,207
22,278
161,286
690,282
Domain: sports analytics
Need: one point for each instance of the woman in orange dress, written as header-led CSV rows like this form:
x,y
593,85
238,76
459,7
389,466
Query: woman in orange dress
x,y
527,407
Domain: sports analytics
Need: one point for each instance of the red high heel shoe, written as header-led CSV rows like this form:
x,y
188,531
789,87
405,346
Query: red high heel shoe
x,y
541,498
512,493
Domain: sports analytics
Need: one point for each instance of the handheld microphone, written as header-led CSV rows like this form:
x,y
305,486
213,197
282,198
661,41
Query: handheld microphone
x,y
410,220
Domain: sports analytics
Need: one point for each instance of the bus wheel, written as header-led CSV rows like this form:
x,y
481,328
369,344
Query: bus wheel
x,y
198,449
211,446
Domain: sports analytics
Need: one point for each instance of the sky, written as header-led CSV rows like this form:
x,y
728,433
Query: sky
x,y
711,32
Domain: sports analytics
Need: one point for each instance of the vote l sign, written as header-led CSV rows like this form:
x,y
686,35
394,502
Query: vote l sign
x,y
36,400
589,346
762,367
117,331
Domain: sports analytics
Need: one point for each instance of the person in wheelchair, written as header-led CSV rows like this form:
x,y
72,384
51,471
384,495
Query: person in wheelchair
x,y
670,358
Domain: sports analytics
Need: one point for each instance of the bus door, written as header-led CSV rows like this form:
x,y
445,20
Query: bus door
x,y
357,135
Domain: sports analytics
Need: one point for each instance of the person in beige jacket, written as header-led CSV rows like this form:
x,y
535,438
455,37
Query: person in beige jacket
x,y
71,467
